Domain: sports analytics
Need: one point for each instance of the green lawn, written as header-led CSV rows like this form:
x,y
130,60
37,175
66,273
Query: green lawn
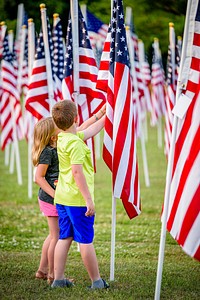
x,y
23,230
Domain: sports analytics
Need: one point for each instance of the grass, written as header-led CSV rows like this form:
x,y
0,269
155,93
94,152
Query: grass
x,y
23,230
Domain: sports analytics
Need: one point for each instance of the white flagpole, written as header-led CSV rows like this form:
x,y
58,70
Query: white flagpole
x,y
10,40
6,158
20,15
75,43
113,228
12,148
21,59
170,158
50,82
14,145
159,124
31,53
7,148
172,41
113,232
3,30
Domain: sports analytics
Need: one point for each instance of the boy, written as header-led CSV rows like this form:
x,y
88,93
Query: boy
x,y
74,196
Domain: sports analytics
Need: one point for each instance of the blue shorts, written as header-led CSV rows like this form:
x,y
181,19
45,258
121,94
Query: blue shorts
x,y
74,223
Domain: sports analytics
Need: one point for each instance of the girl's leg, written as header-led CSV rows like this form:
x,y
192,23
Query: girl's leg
x,y
54,235
89,258
43,267
60,257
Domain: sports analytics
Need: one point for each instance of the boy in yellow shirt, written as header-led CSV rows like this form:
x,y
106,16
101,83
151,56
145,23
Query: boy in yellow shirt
x,y
74,196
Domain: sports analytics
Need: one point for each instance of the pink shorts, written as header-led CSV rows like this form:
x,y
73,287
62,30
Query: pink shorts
x,y
48,210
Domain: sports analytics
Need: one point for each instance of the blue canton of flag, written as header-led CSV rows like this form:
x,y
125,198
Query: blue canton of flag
x,y
7,55
68,63
118,46
58,49
93,23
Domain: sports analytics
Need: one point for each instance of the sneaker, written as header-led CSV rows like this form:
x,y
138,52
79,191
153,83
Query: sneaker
x,y
62,283
105,286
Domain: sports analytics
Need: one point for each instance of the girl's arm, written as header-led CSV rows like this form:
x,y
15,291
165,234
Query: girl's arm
x,y
41,181
93,129
79,177
93,119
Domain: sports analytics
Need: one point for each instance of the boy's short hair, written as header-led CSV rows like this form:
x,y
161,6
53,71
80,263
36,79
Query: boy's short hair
x,y
64,113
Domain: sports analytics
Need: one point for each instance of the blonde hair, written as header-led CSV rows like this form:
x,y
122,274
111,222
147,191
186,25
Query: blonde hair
x,y
43,131
64,113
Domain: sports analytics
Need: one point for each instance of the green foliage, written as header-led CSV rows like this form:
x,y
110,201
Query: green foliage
x,y
151,18
23,229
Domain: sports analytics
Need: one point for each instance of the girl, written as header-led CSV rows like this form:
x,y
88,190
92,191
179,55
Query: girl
x,y
45,158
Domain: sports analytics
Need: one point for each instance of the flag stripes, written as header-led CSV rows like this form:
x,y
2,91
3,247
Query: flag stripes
x,y
184,207
119,149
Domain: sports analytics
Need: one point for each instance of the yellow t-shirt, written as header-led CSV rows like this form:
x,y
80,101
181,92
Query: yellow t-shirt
x,y
71,151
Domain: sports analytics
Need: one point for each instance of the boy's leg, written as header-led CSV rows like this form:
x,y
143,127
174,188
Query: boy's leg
x,y
60,257
89,258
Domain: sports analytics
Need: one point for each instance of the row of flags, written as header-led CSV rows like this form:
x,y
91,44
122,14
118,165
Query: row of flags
x,y
123,80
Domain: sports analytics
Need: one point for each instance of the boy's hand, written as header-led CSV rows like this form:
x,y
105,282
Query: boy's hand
x,y
90,208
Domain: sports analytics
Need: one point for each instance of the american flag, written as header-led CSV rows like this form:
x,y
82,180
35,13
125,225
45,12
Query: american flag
x,y
90,100
158,86
58,56
37,102
97,30
119,150
183,220
10,107
103,73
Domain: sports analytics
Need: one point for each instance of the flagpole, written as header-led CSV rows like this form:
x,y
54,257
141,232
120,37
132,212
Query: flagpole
x,y
113,232
159,123
170,161
20,15
31,53
12,148
21,59
7,148
14,145
75,42
113,228
75,45
50,82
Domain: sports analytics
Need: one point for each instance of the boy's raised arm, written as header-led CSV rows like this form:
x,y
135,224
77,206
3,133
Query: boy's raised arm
x,y
93,129
93,119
